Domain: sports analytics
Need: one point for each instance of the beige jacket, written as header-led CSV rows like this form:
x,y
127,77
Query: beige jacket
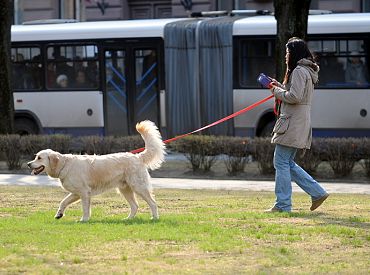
x,y
293,126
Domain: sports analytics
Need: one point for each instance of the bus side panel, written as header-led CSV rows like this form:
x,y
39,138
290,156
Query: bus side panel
x,y
346,114
70,109
247,123
341,109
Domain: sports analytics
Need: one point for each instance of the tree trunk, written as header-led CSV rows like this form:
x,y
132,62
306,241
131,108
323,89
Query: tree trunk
x,y
291,17
6,96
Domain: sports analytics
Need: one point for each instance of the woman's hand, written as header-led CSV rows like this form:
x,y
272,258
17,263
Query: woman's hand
x,y
275,82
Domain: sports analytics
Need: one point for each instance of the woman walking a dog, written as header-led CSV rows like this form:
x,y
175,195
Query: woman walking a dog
x,y
293,130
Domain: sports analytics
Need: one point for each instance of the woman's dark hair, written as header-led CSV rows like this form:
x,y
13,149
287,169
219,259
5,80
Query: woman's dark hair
x,y
297,50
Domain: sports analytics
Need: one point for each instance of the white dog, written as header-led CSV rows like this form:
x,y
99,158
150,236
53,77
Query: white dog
x,y
87,175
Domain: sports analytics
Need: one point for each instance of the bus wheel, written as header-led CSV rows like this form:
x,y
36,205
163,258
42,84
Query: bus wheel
x,y
267,129
25,126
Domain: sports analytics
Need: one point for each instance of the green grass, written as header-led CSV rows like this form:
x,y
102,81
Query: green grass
x,y
199,232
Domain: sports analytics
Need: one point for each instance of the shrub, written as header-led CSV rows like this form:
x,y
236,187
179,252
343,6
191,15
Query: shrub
x,y
97,145
342,154
59,143
311,159
33,143
10,146
236,154
263,152
105,145
128,143
366,165
200,150
365,149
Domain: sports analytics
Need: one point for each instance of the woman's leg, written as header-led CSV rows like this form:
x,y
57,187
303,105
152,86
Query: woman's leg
x,y
306,182
283,182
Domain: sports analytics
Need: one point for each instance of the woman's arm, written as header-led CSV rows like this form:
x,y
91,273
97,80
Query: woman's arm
x,y
295,93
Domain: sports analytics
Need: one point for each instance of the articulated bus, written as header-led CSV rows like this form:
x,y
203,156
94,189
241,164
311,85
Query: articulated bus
x,y
101,78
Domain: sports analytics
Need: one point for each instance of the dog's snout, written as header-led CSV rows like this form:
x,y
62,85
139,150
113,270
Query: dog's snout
x,y
29,164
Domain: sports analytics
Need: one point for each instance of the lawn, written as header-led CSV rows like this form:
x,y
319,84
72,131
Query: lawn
x,y
199,232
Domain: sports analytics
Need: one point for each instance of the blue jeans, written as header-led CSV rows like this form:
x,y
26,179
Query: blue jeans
x,y
287,170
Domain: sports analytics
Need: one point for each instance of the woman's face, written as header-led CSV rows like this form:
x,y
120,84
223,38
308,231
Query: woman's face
x,y
287,56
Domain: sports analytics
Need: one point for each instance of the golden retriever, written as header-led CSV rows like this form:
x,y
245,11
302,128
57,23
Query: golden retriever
x,y
87,175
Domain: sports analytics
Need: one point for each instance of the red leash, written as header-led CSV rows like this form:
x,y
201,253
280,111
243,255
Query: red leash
x,y
214,123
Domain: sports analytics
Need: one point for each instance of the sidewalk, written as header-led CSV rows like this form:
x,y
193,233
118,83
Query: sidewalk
x,y
177,183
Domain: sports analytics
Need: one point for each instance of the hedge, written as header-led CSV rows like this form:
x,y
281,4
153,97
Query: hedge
x,y
202,151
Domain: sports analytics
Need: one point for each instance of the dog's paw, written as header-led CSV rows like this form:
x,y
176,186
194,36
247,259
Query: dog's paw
x,y
58,216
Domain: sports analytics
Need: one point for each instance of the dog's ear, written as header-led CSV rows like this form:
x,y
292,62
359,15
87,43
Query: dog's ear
x,y
54,159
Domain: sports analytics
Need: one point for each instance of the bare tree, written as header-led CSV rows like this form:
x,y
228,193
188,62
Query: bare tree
x,y
291,17
6,97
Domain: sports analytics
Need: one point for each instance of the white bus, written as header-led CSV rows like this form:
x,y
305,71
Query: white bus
x,y
101,78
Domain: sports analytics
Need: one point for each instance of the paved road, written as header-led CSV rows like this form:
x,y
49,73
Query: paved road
x,y
354,188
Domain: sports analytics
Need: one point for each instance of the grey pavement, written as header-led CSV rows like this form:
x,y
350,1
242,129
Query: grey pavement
x,y
182,183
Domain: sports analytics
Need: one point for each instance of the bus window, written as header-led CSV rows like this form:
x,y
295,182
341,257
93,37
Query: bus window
x,y
356,72
343,63
77,63
26,68
331,70
255,56
329,46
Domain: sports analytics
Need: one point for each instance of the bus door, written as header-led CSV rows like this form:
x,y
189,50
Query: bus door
x,y
146,86
116,98
131,89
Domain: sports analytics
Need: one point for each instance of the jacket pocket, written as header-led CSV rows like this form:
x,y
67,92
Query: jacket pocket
x,y
281,125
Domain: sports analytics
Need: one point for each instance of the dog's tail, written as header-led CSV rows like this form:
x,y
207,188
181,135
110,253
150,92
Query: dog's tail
x,y
154,152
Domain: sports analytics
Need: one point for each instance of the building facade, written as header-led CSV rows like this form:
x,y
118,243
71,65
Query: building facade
x,y
98,10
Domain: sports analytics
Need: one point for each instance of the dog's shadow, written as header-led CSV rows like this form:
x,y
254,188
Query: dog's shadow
x,y
134,221
113,221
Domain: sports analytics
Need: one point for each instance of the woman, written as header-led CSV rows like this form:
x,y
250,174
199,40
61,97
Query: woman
x,y
292,130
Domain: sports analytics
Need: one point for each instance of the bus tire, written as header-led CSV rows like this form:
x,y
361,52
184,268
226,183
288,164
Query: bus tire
x,y
267,129
25,126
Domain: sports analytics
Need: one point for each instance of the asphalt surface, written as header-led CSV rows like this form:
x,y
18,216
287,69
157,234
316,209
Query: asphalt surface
x,y
183,183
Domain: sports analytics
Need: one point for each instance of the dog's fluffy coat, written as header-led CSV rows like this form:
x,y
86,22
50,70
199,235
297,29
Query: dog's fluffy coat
x,y
87,175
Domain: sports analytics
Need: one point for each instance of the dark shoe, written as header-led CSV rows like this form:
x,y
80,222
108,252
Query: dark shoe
x,y
318,202
273,210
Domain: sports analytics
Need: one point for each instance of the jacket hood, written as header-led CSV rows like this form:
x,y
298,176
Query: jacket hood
x,y
312,67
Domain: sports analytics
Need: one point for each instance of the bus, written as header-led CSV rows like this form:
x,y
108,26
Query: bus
x,y
101,78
